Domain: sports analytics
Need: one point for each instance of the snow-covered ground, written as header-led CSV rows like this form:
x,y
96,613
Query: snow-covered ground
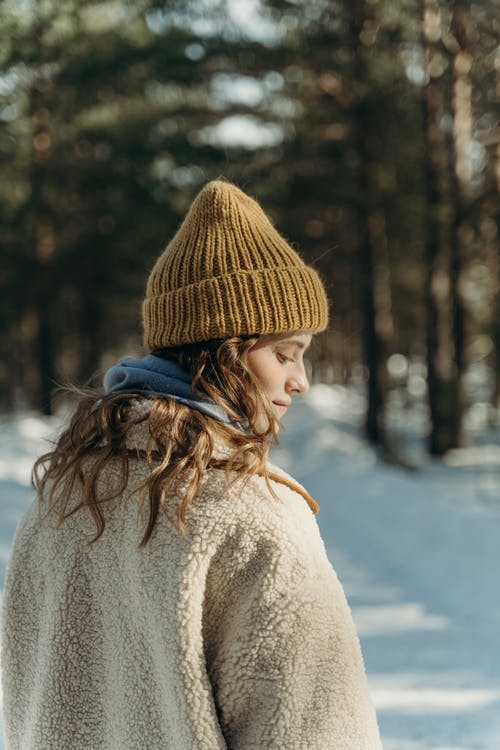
x,y
418,553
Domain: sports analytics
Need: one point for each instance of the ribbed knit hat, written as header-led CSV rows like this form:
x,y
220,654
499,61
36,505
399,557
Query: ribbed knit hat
x,y
228,272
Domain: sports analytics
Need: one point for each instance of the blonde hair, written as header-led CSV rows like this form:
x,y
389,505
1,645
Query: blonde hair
x,y
181,440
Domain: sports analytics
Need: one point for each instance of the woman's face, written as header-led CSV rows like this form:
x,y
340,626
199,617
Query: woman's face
x,y
277,361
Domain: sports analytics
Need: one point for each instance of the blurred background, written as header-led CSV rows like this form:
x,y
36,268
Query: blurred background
x,y
368,129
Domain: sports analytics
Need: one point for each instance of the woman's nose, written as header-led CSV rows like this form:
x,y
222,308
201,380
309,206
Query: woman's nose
x,y
298,382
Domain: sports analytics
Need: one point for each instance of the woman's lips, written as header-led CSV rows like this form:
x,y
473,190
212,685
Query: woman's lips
x,y
281,406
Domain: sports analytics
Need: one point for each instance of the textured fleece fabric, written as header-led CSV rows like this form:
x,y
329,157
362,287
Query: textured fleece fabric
x,y
239,637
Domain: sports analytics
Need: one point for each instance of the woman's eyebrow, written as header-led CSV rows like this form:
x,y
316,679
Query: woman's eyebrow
x,y
295,342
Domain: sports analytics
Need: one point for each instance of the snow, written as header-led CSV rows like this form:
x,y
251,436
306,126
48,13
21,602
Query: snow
x,y
417,551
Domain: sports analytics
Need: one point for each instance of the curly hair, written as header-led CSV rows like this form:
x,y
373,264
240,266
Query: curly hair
x,y
180,443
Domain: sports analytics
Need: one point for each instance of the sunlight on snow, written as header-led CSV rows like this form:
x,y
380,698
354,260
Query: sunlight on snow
x,y
331,438
396,618
432,701
22,440
18,469
479,455
335,401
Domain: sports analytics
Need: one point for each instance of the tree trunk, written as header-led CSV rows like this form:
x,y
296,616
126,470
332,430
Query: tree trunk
x,y
439,327
491,238
373,344
495,316
463,33
44,243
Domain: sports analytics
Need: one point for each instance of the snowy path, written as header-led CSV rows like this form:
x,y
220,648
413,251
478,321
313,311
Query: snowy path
x,y
418,554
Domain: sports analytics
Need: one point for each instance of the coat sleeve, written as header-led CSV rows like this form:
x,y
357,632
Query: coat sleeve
x,y
283,656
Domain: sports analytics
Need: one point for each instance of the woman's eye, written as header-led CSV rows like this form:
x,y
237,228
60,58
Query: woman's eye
x,y
282,357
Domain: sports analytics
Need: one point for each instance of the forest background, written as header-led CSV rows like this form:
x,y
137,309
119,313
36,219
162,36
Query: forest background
x,y
368,129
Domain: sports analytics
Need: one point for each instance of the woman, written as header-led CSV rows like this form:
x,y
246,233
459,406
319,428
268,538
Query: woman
x,y
169,588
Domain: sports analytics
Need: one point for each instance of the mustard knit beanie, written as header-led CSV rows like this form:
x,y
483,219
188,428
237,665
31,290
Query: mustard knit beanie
x,y
227,272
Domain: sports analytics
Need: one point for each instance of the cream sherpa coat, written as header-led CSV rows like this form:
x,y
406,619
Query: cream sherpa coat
x,y
240,637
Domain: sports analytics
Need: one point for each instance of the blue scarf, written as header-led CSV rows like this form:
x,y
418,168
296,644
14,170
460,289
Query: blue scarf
x,y
155,376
